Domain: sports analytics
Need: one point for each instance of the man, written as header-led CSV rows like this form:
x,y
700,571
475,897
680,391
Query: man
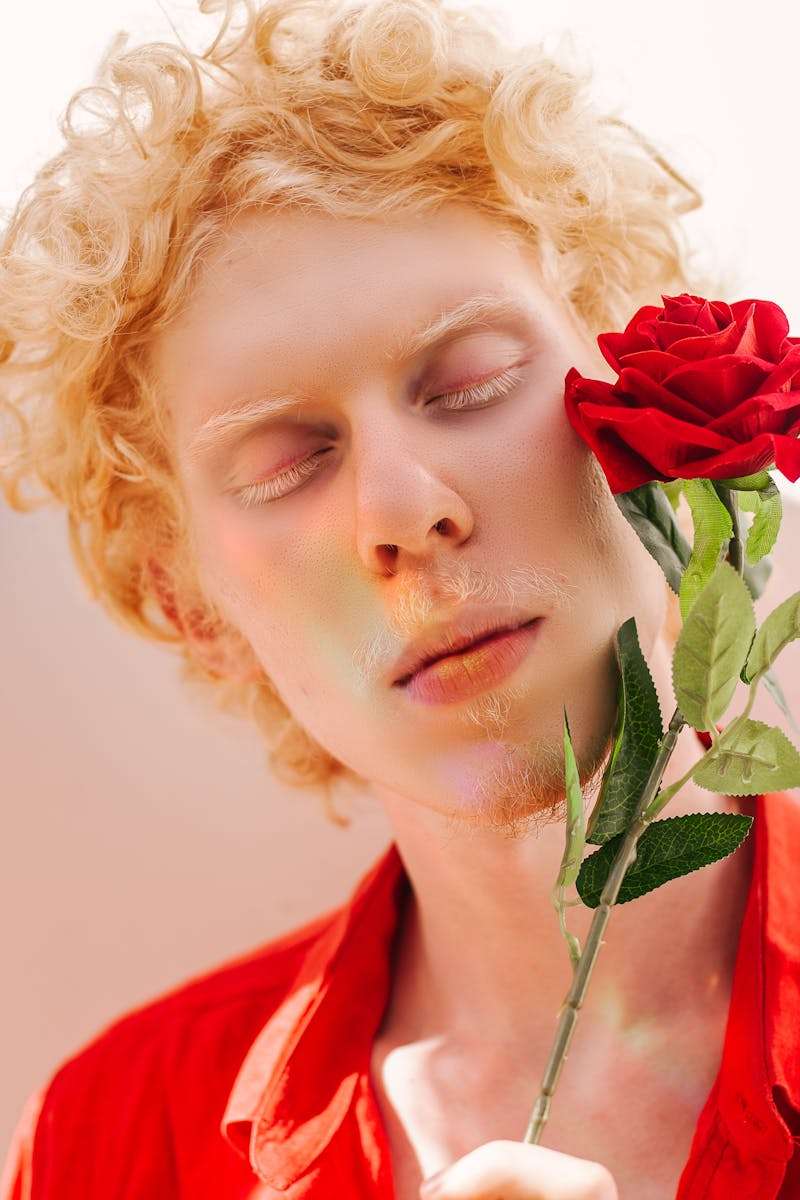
x,y
404,465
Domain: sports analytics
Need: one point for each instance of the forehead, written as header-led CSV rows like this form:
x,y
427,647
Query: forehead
x,y
314,275
311,302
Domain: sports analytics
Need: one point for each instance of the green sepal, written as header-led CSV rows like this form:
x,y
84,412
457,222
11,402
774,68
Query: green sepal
x,y
746,483
748,501
713,527
638,733
648,510
712,648
763,532
753,758
672,489
666,850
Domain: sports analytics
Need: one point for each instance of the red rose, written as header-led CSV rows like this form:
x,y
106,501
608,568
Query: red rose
x,y
705,389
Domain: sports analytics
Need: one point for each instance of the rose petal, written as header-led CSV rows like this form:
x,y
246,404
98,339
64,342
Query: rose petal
x,y
655,364
787,456
783,375
635,446
748,334
722,311
647,393
643,314
704,315
665,333
740,460
614,345
676,451
718,384
776,412
771,325
623,469
723,341
668,444
578,388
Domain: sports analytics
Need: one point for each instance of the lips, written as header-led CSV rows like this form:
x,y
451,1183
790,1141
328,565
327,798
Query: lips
x,y
460,646
484,664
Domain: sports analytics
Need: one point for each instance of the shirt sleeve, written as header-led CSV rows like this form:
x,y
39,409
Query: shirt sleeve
x,y
15,1180
99,1128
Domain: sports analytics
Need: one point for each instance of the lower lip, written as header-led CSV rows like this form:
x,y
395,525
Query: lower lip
x,y
471,671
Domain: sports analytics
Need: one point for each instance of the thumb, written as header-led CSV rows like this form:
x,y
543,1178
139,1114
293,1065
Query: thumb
x,y
428,1186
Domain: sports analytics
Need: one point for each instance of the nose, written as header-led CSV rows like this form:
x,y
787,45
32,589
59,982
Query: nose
x,y
405,506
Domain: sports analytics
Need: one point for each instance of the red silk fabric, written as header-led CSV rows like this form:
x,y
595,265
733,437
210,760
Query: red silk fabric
x,y
253,1079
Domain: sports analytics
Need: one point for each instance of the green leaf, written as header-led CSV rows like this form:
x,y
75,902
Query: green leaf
x,y
712,529
574,844
712,648
752,759
778,629
742,673
770,681
637,737
756,576
766,523
650,513
573,850
667,849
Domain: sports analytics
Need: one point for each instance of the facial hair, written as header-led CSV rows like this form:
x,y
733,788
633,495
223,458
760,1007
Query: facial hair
x,y
523,788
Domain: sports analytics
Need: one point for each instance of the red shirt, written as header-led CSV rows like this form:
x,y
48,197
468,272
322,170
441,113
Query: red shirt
x,y
253,1080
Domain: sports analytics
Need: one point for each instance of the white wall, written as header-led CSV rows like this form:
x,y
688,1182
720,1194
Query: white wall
x,y
142,839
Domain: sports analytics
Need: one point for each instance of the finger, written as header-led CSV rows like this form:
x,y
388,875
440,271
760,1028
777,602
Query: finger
x,y
506,1170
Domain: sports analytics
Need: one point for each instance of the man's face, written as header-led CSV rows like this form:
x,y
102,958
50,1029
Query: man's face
x,y
401,511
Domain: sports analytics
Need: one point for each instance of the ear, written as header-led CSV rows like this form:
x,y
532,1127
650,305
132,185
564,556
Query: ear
x,y
227,653
220,647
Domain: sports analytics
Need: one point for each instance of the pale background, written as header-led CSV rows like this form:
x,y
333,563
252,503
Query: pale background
x,y
143,841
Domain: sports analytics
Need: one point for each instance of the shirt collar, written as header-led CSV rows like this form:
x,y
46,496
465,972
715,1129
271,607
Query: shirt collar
x,y
296,1082
324,1028
759,1078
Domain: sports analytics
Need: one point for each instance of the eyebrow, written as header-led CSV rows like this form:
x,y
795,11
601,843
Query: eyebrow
x,y
250,412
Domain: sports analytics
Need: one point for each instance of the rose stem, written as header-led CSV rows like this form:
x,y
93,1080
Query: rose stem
x,y
625,856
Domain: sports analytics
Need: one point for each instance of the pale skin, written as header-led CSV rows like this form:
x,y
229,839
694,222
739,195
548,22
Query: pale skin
x,y
412,509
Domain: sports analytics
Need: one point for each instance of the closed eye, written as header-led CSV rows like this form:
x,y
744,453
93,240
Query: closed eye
x,y
477,396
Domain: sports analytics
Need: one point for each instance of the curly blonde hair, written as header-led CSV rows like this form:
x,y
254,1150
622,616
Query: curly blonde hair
x,y
356,109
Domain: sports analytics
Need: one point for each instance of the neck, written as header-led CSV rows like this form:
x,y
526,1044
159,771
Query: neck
x,y
480,947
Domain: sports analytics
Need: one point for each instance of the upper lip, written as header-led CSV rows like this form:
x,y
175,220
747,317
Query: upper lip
x,y
446,637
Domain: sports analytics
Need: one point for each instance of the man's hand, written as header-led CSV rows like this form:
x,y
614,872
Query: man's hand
x,y
518,1171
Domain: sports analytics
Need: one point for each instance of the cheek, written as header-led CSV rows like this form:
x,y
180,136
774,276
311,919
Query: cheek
x,y
242,549
226,548
269,583
544,460
234,563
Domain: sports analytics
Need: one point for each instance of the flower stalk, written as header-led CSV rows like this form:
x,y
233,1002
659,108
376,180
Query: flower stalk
x,y
586,962
649,805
